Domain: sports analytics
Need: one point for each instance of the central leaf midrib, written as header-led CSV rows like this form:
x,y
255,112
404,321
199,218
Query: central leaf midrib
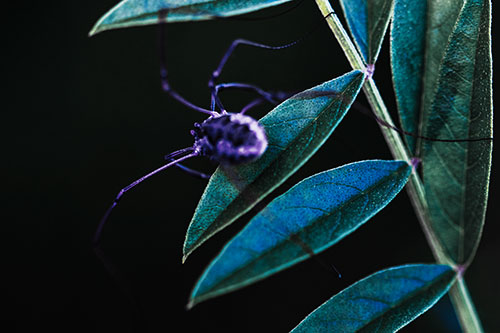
x,y
374,26
429,94
464,192
473,84
429,284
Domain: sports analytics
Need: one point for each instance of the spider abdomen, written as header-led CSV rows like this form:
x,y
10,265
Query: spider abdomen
x,y
230,138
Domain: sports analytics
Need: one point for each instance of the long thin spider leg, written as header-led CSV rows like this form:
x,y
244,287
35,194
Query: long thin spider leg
x,y
163,74
270,97
297,240
191,172
252,104
176,153
171,157
307,249
217,72
367,112
98,232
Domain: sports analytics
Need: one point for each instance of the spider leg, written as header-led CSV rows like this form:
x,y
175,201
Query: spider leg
x,y
194,173
165,85
271,97
252,104
124,190
191,172
217,72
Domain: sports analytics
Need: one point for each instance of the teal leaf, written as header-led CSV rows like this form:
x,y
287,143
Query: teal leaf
x,y
295,130
131,13
368,21
312,216
383,302
419,35
456,175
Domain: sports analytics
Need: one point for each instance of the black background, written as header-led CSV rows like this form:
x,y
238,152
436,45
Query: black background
x,y
83,117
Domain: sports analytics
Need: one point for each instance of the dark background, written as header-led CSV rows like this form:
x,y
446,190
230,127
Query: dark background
x,y
83,117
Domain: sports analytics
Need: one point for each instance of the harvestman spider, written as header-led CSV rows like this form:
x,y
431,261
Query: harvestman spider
x,y
228,138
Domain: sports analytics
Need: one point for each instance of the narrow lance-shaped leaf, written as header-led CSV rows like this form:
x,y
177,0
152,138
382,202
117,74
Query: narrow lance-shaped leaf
x,y
368,21
419,35
313,215
456,175
383,302
295,130
130,13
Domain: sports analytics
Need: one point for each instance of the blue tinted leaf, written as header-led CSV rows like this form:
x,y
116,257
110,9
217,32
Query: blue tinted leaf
x,y
419,35
295,130
383,302
313,215
368,21
130,13
456,175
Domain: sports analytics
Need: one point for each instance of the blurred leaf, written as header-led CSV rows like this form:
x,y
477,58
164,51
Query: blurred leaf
x,y
312,216
456,175
131,13
419,36
368,21
295,130
383,302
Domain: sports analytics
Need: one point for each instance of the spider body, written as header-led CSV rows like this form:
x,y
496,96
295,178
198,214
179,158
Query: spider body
x,y
230,138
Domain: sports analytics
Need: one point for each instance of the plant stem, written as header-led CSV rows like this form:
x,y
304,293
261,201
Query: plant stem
x,y
415,187
459,295
464,307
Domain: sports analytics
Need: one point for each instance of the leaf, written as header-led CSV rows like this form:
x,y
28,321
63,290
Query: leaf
x,y
419,36
312,216
295,130
383,302
456,175
368,21
131,13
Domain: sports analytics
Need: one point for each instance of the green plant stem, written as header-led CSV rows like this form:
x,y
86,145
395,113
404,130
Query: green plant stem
x,y
396,145
459,295
464,307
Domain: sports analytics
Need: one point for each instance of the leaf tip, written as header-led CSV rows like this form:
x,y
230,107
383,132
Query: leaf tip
x,y
190,304
95,30
189,247
186,252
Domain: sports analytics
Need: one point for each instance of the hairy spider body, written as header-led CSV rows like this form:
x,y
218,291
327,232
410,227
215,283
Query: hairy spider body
x,y
230,138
